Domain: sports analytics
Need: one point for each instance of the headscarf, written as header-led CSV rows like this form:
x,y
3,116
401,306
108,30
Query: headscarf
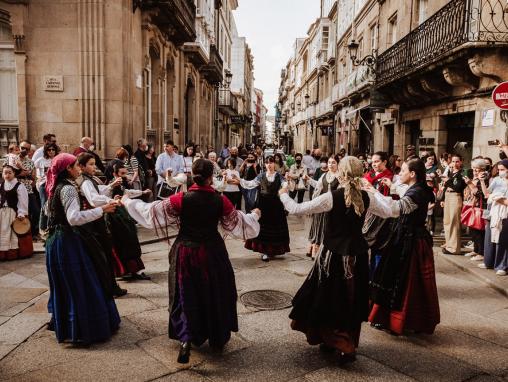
x,y
350,173
58,164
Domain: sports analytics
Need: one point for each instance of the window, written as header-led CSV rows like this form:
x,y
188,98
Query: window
x,y
392,30
360,48
422,11
9,92
326,32
373,38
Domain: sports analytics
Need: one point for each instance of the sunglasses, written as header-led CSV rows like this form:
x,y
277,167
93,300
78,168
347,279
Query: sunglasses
x,y
25,148
51,150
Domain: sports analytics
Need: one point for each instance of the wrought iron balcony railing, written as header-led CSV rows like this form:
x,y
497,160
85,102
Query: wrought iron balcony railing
x,y
458,23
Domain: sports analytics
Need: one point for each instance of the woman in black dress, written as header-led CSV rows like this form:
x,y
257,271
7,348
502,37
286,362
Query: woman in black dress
x,y
273,239
333,301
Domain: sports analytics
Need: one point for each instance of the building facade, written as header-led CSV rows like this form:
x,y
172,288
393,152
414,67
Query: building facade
x,y
420,73
114,70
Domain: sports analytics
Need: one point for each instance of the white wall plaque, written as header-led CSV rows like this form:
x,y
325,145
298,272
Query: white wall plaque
x,y
53,83
488,118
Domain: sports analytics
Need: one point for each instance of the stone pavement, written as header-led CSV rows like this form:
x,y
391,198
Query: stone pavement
x,y
470,344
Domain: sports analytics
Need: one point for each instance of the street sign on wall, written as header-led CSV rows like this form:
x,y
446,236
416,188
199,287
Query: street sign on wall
x,y
500,95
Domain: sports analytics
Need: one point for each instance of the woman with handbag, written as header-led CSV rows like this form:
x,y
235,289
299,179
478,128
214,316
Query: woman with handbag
x,y
297,175
473,211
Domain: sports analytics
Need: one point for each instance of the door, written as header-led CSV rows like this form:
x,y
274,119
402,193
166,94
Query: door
x,y
460,133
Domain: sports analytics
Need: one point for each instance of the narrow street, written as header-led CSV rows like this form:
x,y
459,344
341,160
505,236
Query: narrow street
x,y
470,344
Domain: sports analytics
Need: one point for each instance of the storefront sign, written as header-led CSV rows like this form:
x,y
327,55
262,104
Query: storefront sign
x,y
53,83
500,95
488,118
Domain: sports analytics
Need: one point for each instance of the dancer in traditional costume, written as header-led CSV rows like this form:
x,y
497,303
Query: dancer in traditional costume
x,y
202,290
403,288
333,301
377,230
124,248
81,301
328,182
13,205
273,239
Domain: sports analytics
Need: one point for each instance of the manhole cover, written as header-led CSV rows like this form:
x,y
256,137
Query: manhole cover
x,y
266,299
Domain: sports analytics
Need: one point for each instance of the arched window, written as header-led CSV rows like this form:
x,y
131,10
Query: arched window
x,y
8,94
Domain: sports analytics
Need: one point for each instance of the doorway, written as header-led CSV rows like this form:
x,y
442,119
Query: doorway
x,y
460,133
190,101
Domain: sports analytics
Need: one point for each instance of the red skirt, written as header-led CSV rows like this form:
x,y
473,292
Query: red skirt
x,y
420,306
122,268
267,248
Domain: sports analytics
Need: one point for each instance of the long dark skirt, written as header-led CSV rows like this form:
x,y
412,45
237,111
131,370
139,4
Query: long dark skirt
x,y
419,307
204,296
317,228
331,305
126,247
273,238
81,312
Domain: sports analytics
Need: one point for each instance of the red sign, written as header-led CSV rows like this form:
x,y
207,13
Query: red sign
x,y
500,95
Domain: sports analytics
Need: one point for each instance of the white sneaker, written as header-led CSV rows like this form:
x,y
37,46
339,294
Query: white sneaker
x,y
469,245
482,266
470,254
477,258
501,273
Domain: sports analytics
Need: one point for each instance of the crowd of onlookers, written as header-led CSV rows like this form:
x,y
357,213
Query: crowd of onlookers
x,y
471,199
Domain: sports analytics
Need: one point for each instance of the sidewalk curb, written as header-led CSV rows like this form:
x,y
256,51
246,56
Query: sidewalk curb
x,y
476,273
142,243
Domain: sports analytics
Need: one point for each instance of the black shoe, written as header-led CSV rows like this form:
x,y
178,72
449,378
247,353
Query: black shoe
x,y
265,258
184,355
377,326
326,349
119,292
345,358
447,252
139,276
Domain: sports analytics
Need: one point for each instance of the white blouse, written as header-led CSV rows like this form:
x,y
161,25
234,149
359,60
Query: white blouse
x,y
382,206
70,201
98,199
254,183
151,215
22,196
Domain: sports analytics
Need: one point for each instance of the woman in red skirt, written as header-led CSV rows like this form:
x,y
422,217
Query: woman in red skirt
x,y
403,289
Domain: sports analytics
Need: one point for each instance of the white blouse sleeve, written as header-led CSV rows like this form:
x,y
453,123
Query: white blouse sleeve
x,y
322,203
131,193
246,227
22,200
385,207
218,185
96,199
146,214
75,217
177,180
249,184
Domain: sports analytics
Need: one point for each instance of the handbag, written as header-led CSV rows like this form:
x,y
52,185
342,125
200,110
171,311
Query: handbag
x,y
472,216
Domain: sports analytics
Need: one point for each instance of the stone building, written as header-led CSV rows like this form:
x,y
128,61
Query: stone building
x,y
401,72
115,70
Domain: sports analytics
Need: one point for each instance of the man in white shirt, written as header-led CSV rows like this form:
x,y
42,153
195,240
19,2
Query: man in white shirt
x,y
307,159
168,163
46,139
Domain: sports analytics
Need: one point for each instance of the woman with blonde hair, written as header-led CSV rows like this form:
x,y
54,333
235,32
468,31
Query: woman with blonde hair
x,y
333,301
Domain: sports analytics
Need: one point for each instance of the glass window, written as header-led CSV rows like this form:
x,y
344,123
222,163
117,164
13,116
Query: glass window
x,y
8,86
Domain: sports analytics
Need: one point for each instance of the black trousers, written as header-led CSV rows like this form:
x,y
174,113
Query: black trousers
x,y
478,240
234,197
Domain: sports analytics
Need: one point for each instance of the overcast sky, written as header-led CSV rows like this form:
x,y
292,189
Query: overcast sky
x,y
271,27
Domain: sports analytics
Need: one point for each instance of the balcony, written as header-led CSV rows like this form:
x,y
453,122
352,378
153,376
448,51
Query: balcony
x,y
228,104
324,107
199,50
459,24
176,18
213,70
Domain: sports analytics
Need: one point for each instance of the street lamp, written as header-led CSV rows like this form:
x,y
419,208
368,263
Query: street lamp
x,y
229,77
369,60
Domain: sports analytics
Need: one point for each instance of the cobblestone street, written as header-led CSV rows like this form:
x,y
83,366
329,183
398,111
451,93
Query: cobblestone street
x,y
470,344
